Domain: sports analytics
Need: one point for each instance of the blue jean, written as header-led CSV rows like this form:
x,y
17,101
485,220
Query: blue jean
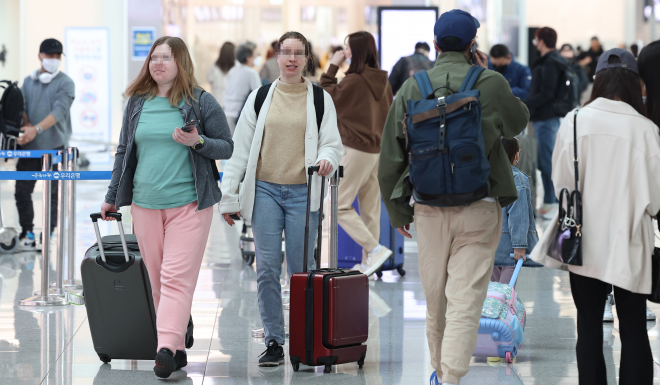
x,y
279,208
546,133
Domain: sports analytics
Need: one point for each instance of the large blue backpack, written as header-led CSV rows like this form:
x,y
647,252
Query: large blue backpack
x,y
447,155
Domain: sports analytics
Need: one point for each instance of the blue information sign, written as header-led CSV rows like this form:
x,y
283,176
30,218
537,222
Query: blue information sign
x,y
142,39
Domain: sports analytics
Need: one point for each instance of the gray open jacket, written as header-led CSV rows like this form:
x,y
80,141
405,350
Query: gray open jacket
x,y
217,145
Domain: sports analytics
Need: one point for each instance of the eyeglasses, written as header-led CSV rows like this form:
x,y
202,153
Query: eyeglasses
x,y
161,58
292,52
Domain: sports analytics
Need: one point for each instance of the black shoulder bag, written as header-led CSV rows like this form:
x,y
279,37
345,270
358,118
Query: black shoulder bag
x,y
568,236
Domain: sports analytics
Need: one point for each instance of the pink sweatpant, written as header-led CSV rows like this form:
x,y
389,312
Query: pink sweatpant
x,y
172,243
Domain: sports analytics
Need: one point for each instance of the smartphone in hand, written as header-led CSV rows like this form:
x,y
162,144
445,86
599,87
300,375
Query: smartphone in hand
x,y
190,126
234,217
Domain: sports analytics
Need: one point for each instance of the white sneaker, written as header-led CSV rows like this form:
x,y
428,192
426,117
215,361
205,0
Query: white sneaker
x,y
28,242
650,315
548,211
376,260
363,268
607,315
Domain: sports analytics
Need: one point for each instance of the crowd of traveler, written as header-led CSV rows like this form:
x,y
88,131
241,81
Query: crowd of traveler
x,y
270,126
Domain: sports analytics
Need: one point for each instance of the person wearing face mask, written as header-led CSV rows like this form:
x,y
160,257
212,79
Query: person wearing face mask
x,y
546,78
518,75
363,99
48,95
265,182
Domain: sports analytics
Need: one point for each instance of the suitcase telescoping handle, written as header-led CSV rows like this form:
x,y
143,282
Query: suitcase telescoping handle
x,y
95,218
310,172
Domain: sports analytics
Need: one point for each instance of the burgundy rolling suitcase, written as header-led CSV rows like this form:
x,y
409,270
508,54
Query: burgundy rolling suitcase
x,y
329,316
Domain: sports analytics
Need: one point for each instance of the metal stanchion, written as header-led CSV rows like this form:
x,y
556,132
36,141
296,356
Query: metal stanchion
x,y
70,283
45,300
61,233
57,287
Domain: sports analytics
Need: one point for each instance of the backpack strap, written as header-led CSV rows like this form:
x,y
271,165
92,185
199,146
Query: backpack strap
x,y
471,78
262,93
197,94
424,83
319,102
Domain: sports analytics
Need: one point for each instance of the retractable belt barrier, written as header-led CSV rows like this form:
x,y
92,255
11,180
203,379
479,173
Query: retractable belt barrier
x,y
54,294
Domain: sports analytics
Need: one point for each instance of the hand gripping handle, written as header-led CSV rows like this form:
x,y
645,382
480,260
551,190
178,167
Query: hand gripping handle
x,y
95,217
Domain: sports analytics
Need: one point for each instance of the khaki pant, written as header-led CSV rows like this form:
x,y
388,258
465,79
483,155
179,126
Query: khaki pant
x,y
361,180
456,255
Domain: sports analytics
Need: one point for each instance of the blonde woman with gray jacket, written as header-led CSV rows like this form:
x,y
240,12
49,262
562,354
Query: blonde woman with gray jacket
x,y
265,181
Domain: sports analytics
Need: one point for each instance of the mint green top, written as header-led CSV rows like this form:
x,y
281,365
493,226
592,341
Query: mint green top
x,y
164,176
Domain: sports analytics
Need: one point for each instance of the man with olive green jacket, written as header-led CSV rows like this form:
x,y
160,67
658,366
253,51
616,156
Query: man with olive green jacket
x,y
456,244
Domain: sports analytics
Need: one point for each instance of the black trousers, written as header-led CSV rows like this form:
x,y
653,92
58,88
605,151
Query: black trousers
x,y
23,196
636,366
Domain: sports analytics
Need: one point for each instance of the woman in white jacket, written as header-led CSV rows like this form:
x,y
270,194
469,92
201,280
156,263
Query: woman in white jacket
x,y
619,168
265,181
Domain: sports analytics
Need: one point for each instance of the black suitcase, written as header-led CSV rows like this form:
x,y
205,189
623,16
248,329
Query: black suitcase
x,y
120,308
117,294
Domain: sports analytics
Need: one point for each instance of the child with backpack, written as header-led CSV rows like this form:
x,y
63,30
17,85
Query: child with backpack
x,y
518,226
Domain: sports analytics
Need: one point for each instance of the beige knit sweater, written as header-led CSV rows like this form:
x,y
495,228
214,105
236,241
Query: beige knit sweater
x,y
282,156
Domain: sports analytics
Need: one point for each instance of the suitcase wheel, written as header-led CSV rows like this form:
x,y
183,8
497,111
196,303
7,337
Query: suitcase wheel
x,y
379,274
509,360
360,363
104,357
8,248
328,369
401,271
296,366
249,259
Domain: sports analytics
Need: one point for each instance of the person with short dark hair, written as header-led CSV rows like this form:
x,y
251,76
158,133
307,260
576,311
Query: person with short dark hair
x,y
407,66
48,95
634,49
456,244
518,75
618,149
589,59
519,234
241,80
362,99
546,76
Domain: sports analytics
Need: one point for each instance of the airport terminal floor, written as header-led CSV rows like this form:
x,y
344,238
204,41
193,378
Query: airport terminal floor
x,y
54,345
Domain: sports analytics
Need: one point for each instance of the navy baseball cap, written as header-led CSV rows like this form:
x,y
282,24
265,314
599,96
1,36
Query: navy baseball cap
x,y
627,59
456,23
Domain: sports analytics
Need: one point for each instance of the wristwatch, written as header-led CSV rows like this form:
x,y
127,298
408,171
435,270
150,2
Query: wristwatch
x,y
39,129
198,146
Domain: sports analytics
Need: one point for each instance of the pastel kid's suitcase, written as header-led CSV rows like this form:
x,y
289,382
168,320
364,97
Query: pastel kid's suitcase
x,y
502,323
329,314
350,253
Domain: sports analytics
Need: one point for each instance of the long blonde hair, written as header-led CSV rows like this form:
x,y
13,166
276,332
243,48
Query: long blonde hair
x,y
185,82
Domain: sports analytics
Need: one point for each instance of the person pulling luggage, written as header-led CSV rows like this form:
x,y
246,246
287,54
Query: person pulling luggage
x,y
518,225
164,168
363,99
265,181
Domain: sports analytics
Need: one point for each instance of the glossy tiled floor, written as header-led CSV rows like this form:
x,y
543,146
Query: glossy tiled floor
x,y
54,346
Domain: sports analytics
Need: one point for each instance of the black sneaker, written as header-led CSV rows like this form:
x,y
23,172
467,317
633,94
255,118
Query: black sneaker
x,y
181,359
273,356
165,363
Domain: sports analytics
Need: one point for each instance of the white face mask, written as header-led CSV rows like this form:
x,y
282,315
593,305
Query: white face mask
x,y
257,61
51,65
348,60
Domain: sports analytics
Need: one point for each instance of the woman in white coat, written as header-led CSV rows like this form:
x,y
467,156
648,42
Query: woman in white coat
x,y
619,168
265,181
